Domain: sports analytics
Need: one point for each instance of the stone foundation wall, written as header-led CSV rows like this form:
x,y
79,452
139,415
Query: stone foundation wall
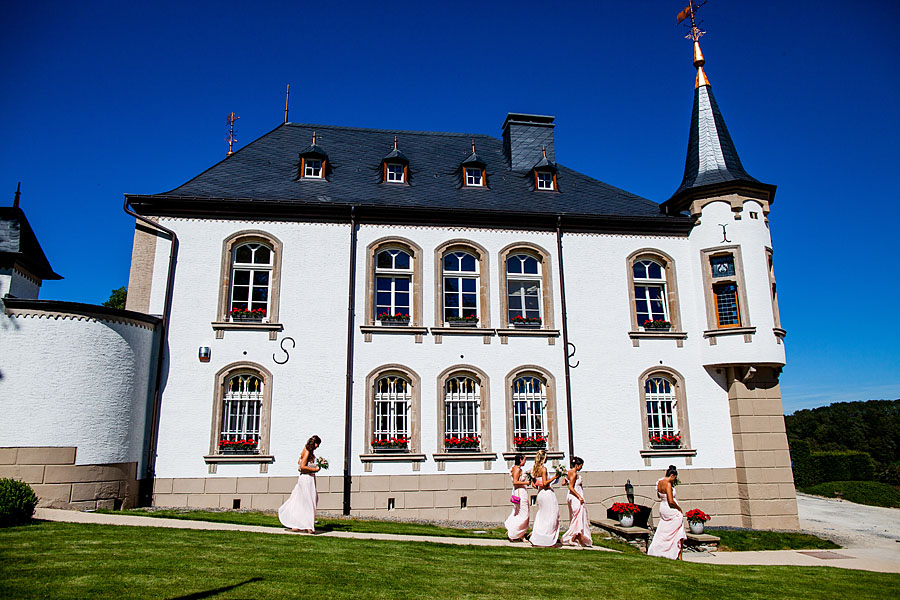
x,y
60,483
439,497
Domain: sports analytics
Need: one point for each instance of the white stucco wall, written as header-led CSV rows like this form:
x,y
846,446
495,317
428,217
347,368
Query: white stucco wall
x,y
71,382
15,284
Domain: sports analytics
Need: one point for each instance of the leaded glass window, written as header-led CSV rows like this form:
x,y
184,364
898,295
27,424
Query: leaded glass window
x,y
727,311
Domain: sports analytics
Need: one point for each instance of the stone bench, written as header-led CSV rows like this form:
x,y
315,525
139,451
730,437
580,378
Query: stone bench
x,y
702,542
636,536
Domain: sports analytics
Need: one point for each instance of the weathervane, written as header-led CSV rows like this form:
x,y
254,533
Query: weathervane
x,y
690,11
230,119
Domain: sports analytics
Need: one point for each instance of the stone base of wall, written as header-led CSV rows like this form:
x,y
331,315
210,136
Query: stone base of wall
x,y
440,497
60,483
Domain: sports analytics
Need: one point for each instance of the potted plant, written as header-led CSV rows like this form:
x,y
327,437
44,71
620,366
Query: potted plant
x,y
244,314
238,446
657,325
394,444
696,518
470,321
469,442
530,442
393,320
625,511
519,321
665,440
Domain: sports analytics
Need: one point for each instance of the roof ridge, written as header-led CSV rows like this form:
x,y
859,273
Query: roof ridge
x,y
394,131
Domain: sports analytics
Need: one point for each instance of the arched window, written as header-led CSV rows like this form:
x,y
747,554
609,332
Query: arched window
x,y
461,284
241,414
529,398
523,289
462,416
664,411
392,400
393,284
649,293
251,280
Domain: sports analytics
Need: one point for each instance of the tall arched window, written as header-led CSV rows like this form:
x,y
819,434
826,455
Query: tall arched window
x,y
242,404
529,398
523,288
393,283
460,286
462,413
251,279
649,292
392,400
662,423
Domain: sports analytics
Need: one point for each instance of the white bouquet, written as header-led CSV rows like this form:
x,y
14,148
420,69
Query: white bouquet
x,y
322,463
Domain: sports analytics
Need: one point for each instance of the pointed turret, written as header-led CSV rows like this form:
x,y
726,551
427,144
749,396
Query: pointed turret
x,y
712,165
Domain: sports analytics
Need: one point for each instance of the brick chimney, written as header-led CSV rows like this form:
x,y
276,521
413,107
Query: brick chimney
x,y
523,137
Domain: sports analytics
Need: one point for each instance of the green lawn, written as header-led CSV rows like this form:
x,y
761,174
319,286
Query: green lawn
x,y
744,540
64,560
872,493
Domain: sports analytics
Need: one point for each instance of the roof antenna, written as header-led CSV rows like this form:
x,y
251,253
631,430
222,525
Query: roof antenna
x,y
395,142
18,193
287,95
544,150
473,146
314,138
230,119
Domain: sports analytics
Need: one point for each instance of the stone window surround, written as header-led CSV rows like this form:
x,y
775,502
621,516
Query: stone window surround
x,y
228,245
772,288
263,458
714,330
550,412
681,415
414,418
415,255
484,276
484,416
672,304
543,257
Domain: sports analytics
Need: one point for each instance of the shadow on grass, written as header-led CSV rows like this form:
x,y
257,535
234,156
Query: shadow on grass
x,y
216,591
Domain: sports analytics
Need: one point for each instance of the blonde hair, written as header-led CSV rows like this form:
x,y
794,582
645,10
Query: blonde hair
x,y
539,459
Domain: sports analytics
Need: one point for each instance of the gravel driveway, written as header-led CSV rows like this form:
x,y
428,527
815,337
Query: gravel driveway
x,y
848,524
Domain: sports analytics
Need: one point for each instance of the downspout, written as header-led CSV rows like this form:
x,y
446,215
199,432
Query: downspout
x,y
145,494
348,406
565,333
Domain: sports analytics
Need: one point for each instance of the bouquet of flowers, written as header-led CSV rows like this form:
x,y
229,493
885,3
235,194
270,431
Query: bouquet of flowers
x,y
528,477
697,516
322,463
625,508
561,473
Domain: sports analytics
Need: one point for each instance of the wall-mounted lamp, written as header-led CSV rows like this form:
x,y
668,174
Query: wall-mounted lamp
x,y
203,354
629,491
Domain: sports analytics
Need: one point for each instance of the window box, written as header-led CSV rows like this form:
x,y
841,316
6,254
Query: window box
x,y
526,324
232,451
253,316
393,322
530,442
658,325
238,447
665,441
465,444
390,449
399,444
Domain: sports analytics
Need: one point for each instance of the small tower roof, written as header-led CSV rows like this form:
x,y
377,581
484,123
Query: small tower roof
x,y
395,155
314,149
712,158
473,159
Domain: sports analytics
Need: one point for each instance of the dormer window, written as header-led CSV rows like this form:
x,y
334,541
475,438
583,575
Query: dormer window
x,y
312,168
394,173
474,177
544,180
313,161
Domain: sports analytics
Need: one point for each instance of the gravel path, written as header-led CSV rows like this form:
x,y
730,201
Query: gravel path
x,y
850,525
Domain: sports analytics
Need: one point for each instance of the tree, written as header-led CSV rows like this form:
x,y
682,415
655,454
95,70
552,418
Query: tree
x,y
117,298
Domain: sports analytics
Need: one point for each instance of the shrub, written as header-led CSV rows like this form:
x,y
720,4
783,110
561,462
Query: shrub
x,y
811,468
17,502
860,492
890,474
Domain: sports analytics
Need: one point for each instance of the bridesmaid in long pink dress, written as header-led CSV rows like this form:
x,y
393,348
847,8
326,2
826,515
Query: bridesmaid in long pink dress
x,y
298,513
670,534
579,531
517,522
545,531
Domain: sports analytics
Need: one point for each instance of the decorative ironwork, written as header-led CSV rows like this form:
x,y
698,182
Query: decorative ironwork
x,y
571,354
287,355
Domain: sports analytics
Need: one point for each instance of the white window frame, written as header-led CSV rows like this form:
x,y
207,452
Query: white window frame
x,y
394,274
533,278
474,177
252,268
463,394
459,276
392,406
544,180
395,172
242,407
313,168
661,406
534,417
645,283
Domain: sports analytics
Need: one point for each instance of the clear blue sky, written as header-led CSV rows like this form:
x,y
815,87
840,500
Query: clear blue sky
x,y
100,99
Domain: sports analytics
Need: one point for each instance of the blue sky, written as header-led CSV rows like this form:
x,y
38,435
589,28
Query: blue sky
x,y
100,99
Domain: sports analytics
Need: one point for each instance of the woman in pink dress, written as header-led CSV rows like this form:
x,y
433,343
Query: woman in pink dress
x,y
298,513
545,531
670,533
579,531
517,521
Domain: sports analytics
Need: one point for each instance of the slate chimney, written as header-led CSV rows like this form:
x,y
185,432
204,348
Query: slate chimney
x,y
523,137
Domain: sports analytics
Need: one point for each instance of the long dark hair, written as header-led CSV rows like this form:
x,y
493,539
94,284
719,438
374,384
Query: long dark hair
x,y
672,471
312,442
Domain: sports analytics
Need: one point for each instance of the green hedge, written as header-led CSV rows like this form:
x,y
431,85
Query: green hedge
x,y
811,468
17,502
873,493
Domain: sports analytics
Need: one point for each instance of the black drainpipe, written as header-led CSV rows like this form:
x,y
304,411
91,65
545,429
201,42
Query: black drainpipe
x,y
565,333
348,407
145,493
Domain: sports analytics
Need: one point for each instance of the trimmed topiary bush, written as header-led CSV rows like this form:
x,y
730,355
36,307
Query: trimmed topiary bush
x,y
17,502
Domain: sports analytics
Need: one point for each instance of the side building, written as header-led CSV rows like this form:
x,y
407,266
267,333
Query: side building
x,y
430,304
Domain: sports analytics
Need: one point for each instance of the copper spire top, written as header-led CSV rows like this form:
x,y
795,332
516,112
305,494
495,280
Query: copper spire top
x,y
395,142
695,34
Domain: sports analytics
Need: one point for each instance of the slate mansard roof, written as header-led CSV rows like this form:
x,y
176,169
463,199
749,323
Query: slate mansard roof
x,y
18,244
266,172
